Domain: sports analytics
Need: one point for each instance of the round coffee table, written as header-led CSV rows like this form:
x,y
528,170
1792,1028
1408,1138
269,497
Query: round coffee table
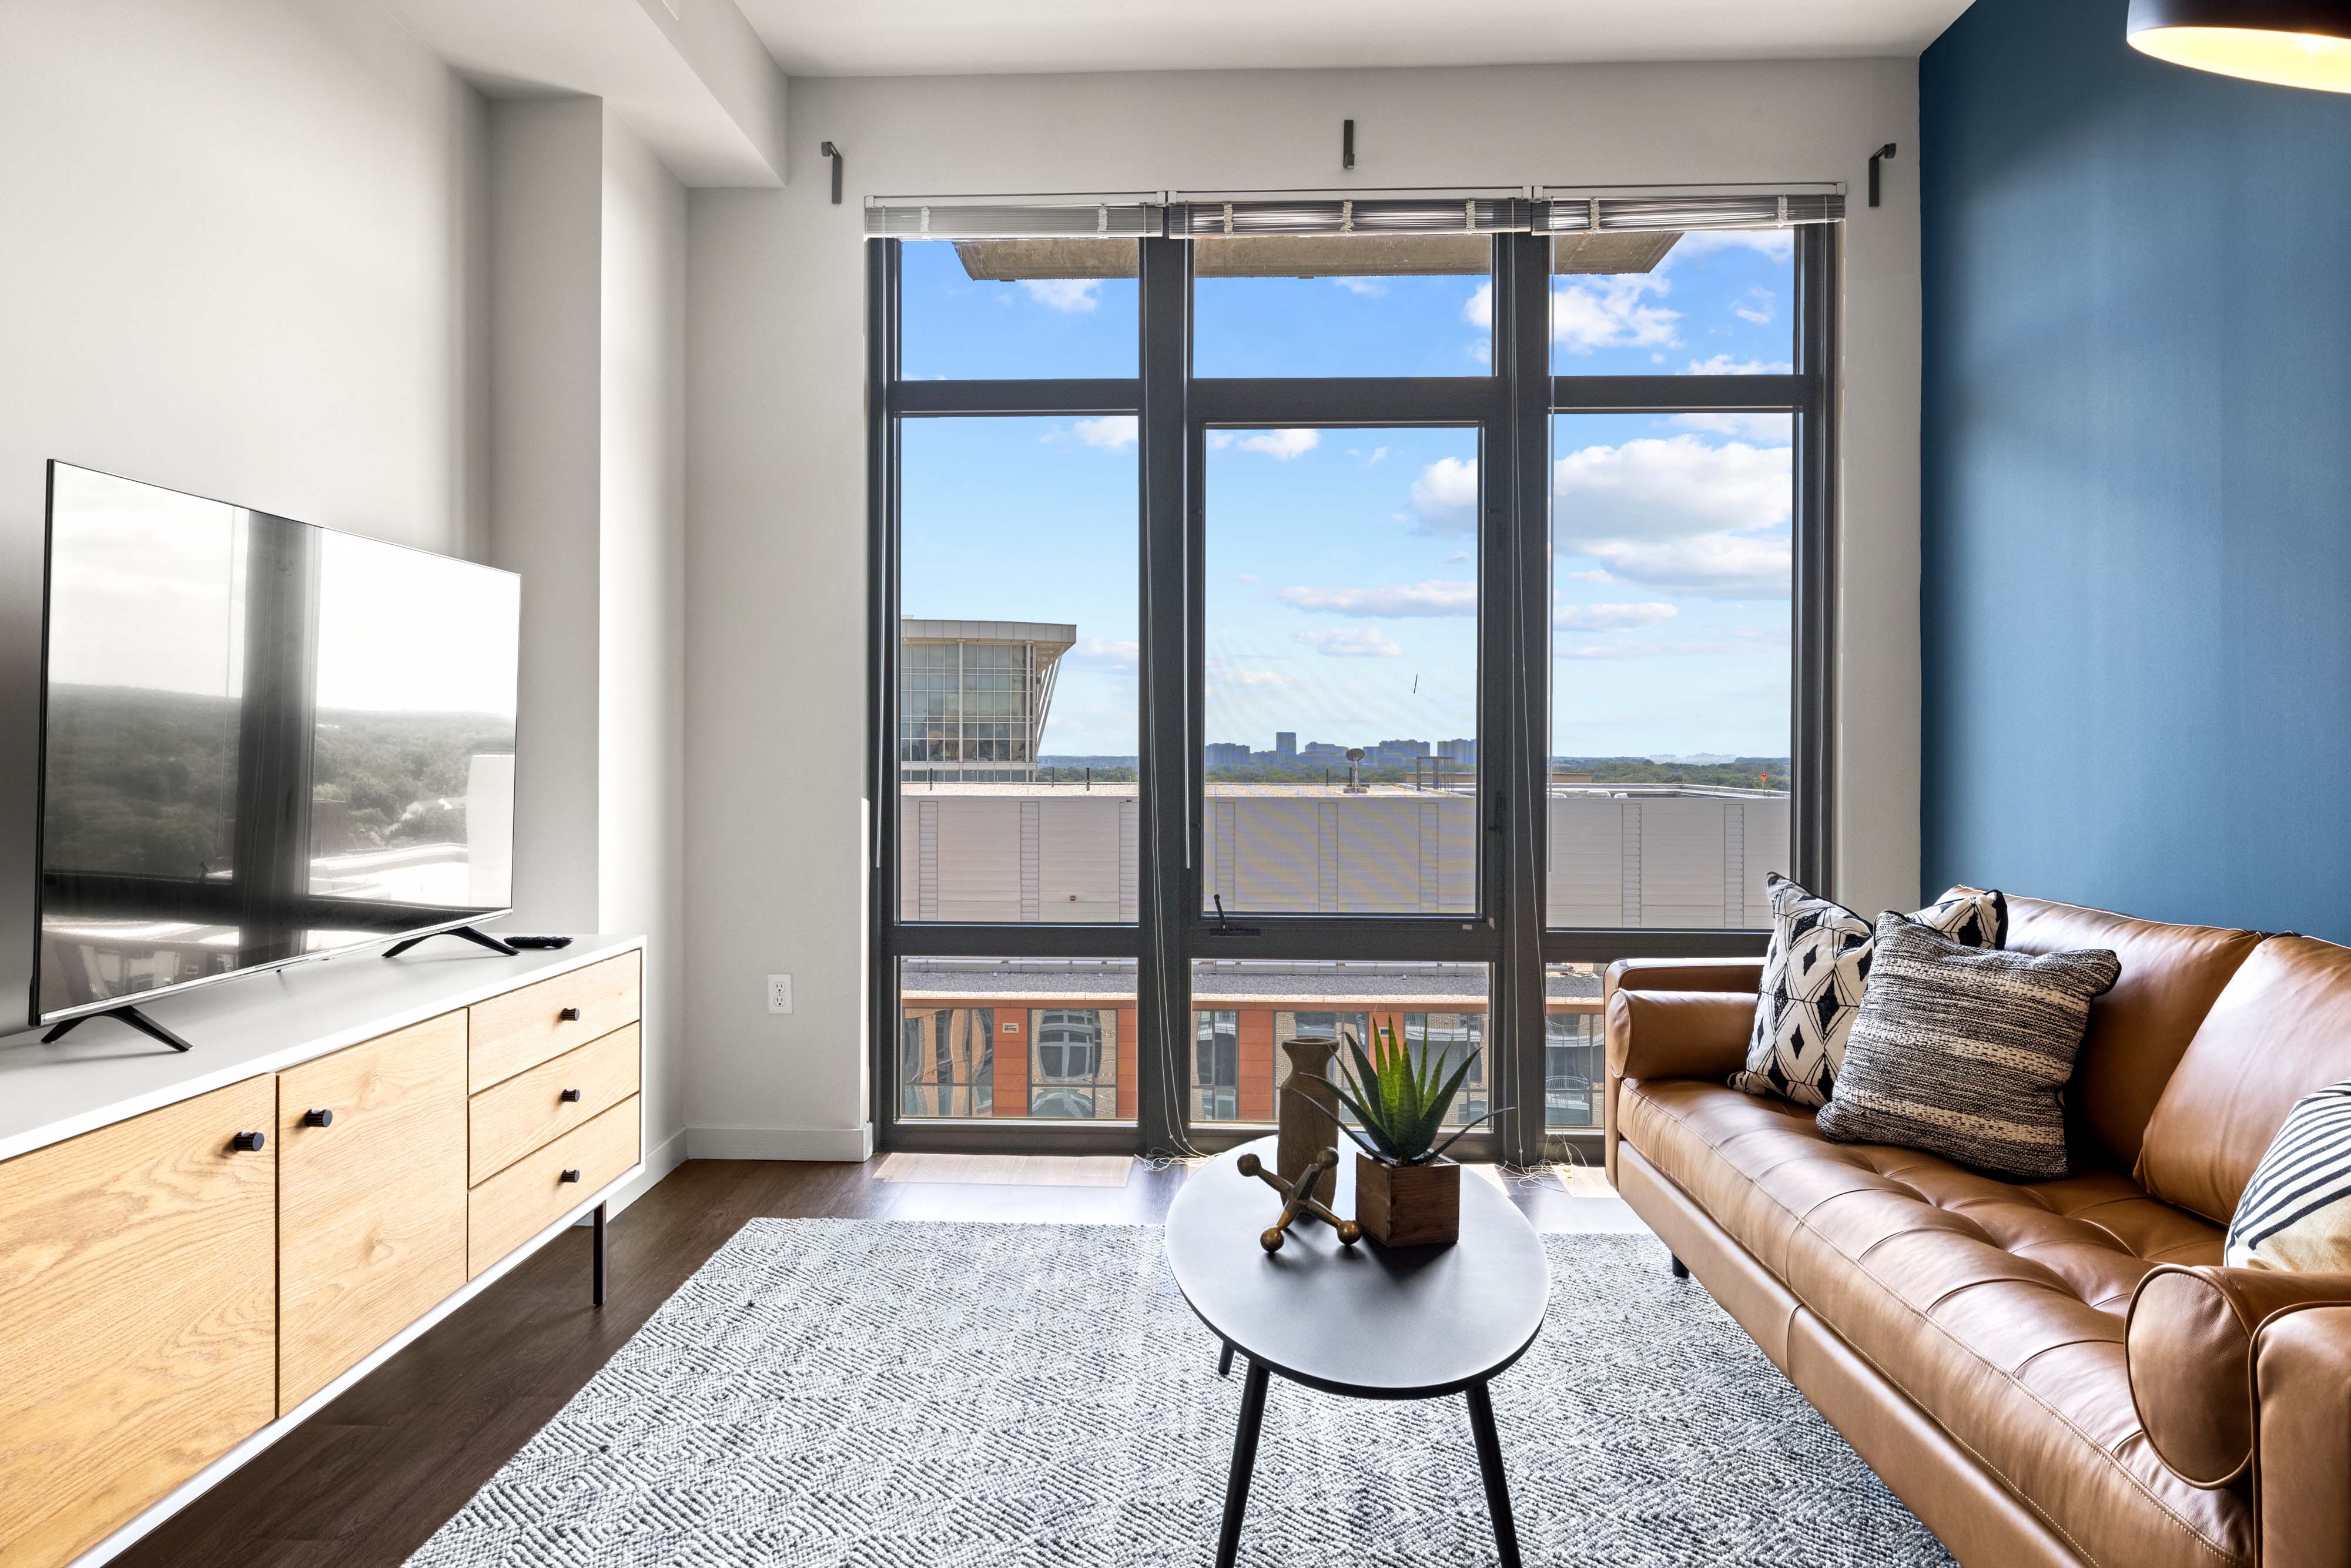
x,y
1373,1322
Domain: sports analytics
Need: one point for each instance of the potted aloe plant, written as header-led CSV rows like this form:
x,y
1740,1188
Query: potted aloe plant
x,y
1407,1194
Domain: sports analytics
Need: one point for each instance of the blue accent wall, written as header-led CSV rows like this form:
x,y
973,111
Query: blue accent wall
x,y
2136,551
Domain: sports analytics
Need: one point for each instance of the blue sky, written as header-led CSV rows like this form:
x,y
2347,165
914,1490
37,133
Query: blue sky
x,y
1340,564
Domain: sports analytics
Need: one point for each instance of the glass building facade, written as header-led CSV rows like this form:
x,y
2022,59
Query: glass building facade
x,y
974,695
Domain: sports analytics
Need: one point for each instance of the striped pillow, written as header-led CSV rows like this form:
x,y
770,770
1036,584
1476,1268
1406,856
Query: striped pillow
x,y
2296,1212
1965,1051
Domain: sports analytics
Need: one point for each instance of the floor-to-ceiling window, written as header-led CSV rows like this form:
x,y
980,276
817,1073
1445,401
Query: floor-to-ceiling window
x,y
1300,617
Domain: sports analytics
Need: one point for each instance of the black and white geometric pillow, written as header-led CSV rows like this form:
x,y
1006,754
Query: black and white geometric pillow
x,y
2296,1211
1814,973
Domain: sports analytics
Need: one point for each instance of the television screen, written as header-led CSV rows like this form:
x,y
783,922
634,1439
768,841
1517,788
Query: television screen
x,y
262,741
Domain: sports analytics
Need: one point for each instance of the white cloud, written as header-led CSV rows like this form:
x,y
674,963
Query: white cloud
x,y
1396,599
1377,453
1586,577
1776,428
1273,679
1725,365
1458,558
1672,487
1279,444
1739,640
1362,285
1352,642
1107,650
1072,294
1611,313
1610,617
1446,496
1679,514
1479,308
1780,244
1112,432
1715,565
1761,307
1244,577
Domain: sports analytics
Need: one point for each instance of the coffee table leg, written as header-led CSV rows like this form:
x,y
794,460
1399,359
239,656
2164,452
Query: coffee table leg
x,y
1489,1468
1236,1486
1224,1360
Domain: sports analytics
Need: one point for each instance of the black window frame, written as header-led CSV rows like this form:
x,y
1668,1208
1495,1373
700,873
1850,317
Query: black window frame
x,y
1512,410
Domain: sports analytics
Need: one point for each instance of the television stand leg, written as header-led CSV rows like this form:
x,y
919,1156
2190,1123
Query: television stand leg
x,y
128,1014
467,932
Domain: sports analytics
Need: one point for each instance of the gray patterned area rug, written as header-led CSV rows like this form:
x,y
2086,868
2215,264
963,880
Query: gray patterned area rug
x,y
983,1395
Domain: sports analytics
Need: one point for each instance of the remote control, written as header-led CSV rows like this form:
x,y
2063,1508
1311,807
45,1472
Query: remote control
x,y
538,942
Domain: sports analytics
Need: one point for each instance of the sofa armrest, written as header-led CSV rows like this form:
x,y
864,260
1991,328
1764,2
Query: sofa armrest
x,y
2190,1343
1683,975
2302,1468
1695,1033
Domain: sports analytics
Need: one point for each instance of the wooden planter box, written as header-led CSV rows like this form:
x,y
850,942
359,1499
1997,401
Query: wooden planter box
x,y
1408,1206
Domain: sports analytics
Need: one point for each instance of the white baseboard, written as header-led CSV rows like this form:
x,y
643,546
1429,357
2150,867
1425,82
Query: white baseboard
x,y
852,1144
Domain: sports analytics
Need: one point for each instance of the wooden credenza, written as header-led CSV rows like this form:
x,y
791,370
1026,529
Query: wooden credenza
x,y
180,1282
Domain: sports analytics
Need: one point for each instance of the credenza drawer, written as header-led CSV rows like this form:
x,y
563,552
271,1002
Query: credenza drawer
x,y
530,1109
529,1195
138,1314
371,1205
517,1031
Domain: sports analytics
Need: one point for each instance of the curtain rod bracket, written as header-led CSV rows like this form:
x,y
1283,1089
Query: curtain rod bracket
x,y
830,150
1885,152
1346,144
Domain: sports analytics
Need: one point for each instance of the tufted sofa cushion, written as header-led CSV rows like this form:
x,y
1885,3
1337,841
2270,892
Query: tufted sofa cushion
x,y
1998,1307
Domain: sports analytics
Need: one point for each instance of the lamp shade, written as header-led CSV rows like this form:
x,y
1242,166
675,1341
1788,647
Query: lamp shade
x,y
2294,42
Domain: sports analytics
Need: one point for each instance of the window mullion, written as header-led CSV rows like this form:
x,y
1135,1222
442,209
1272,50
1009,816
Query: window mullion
x,y
1163,1002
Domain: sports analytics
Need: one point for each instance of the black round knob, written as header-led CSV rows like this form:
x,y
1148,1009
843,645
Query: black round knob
x,y
569,1015
572,1176
568,1095
318,1118
248,1143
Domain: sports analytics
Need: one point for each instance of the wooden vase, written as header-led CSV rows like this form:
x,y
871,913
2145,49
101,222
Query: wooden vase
x,y
1308,1116
1408,1206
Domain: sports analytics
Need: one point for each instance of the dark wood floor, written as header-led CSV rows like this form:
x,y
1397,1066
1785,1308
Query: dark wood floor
x,y
365,1481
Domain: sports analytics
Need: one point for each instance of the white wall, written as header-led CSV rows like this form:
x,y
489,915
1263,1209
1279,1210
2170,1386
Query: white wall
x,y
640,653
547,292
776,476
276,252
245,258
587,398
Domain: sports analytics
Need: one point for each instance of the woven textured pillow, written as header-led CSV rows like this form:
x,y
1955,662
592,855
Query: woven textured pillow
x,y
2296,1211
1814,973
1965,1051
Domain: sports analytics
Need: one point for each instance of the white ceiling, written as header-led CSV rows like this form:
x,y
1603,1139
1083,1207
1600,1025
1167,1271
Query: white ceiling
x,y
943,37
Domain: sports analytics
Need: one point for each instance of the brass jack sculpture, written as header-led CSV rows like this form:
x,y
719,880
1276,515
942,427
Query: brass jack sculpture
x,y
1298,1198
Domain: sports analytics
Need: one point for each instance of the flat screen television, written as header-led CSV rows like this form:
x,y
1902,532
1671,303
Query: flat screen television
x,y
261,741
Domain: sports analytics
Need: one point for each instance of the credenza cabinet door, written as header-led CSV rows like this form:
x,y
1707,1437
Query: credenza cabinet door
x,y
138,1323
371,1205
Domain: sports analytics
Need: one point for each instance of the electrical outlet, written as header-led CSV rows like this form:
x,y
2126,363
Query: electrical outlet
x,y
779,993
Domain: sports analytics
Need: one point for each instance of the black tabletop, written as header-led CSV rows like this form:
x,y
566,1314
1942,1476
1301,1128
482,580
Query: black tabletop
x,y
1408,1323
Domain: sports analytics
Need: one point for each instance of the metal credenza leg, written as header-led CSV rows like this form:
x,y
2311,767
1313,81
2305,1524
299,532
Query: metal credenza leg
x,y
600,1255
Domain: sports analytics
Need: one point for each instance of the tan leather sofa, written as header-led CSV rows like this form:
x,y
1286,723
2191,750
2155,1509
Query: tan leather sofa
x,y
2050,1373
